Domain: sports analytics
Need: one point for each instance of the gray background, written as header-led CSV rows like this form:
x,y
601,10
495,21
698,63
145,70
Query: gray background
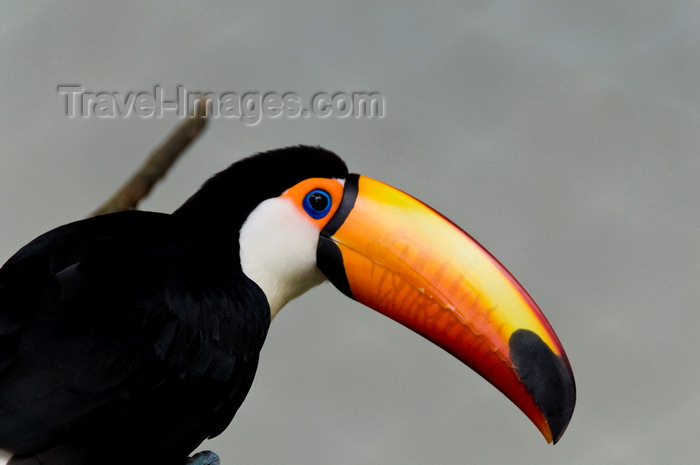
x,y
563,135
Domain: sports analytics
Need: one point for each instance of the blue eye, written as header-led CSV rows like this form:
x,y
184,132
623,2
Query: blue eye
x,y
317,204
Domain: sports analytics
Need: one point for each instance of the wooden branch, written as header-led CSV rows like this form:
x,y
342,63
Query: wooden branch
x,y
158,162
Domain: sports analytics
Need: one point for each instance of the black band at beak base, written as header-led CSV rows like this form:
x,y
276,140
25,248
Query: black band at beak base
x,y
329,259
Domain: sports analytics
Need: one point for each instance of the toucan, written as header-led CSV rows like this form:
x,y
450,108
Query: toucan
x,y
130,338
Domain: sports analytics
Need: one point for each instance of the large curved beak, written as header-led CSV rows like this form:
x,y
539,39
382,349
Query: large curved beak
x,y
398,256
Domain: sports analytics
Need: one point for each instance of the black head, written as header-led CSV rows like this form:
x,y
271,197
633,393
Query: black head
x,y
224,202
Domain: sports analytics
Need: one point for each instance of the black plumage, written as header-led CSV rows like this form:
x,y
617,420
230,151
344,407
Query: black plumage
x,y
132,337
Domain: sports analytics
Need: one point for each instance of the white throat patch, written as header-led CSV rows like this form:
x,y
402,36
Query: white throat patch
x,y
278,251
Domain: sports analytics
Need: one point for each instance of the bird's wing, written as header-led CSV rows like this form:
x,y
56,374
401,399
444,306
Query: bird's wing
x,y
112,327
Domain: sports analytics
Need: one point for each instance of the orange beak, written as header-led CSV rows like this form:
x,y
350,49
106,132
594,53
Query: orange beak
x,y
398,256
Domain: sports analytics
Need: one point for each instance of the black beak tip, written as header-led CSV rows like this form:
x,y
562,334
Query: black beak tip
x,y
548,378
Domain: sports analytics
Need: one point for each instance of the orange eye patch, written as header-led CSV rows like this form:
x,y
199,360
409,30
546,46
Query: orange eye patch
x,y
317,198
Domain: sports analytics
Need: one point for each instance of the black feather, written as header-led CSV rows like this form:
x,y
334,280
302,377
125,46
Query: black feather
x,y
144,339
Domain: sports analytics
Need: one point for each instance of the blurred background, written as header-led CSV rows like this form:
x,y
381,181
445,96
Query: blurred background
x,y
563,135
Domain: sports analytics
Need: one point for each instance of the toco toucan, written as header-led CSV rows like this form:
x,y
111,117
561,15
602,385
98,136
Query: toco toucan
x,y
129,338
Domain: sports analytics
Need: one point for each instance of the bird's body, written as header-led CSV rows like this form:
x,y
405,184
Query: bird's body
x,y
130,338
125,329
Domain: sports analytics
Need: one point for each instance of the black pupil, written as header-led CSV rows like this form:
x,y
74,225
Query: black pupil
x,y
318,201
